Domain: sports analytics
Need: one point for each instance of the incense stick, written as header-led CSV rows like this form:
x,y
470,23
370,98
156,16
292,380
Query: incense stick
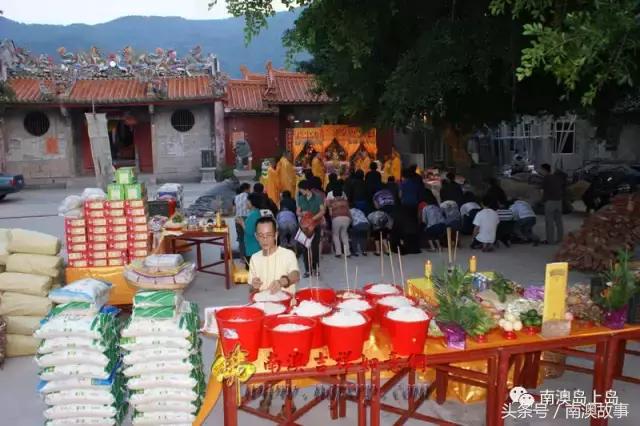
x,y
355,280
449,244
393,273
346,269
381,259
404,290
455,248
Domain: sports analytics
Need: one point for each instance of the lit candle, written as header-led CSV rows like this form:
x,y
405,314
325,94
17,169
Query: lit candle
x,y
473,264
218,219
428,269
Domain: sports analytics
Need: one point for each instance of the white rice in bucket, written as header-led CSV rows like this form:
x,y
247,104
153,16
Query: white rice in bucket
x,y
344,318
310,308
290,327
349,295
267,296
396,301
269,308
357,305
408,314
383,289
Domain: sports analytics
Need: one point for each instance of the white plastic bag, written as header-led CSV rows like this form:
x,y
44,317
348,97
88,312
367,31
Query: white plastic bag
x,y
141,327
76,370
93,346
159,367
151,381
71,357
71,326
159,261
149,396
156,354
79,410
163,418
84,421
80,396
152,342
167,406
85,290
70,203
93,194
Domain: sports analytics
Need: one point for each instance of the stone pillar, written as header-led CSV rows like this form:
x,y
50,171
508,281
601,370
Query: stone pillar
x,y
219,137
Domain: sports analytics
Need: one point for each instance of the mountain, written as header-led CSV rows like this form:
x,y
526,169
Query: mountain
x,y
222,37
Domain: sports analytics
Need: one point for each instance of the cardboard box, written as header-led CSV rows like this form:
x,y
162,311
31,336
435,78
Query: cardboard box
x,y
113,204
95,230
133,245
133,259
136,212
94,205
95,213
79,263
115,192
118,237
136,220
117,262
97,238
118,245
97,246
112,221
96,221
139,236
76,239
138,253
77,248
71,222
77,256
118,229
136,191
116,213
114,254
98,263
138,228
75,231
97,255
134,204
125,176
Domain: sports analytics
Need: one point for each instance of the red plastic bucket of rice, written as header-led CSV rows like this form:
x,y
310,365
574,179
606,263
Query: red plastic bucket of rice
x,y
370,312
265,339
373,297
407,337
345,342
382,309
318,337
286,298
240,326
326,296
291,337
343,295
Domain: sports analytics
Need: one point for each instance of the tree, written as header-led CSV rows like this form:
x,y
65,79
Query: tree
x,y
587,45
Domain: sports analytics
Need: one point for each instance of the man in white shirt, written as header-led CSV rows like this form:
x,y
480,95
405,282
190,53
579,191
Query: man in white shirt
x,y
485,227
272,268
525,220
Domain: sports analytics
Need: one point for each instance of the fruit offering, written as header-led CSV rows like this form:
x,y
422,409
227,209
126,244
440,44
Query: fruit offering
x,y
531,320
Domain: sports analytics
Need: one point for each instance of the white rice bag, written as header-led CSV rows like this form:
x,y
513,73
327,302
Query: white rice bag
x,y
76,370
159,367
92,346
95,396
140,327
160,261
71,326
73,383
156,354
93,194
167,406
88,290
72,356
79,410
151,381
162,418
153,342
91,421
149,396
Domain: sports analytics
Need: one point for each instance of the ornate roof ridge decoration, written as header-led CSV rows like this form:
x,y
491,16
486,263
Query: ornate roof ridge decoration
x,y
20,62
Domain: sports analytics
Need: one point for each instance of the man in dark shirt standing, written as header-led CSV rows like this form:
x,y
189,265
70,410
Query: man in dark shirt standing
x,y
552,192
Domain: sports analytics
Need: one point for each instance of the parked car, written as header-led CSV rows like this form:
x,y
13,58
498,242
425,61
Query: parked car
x,y
10,184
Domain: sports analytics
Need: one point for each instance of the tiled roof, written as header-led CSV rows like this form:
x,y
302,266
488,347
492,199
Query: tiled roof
x,y
28,89
295,88
247,96
111,90
107,91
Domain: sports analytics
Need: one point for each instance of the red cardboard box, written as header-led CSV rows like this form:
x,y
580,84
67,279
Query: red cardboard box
x,y
133,245
94,205
97,255
116,221
72,222
117,262
95,213
96,221
77,255
117,229
118,245
116,212
136,211
93,230
115,205
97,238
77,248
79,263
75,231
139,228
98,262
139,236
138,253
76,239
97,247
115,254
136,220
134,204
118,237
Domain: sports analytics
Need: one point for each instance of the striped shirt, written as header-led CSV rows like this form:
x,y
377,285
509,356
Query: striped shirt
x,y
505,215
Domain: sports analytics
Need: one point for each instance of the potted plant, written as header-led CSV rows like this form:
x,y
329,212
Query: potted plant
x,y
620,287
459,313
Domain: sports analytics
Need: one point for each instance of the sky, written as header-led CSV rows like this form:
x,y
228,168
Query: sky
x,y
64,12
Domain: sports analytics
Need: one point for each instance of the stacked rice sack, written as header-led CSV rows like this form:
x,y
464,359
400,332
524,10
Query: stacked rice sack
x,y
32,267
162,356
79,357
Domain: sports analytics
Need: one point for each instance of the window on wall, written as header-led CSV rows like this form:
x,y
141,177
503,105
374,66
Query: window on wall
x,y
36,123
182,120
565,136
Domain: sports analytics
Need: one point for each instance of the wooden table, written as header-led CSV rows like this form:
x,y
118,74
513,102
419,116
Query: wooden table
x,y
197,239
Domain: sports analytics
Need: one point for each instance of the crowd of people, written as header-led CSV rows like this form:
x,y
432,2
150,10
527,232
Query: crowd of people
x,y
360,213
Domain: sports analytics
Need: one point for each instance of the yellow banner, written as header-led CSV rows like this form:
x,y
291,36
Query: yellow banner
x,y
319,138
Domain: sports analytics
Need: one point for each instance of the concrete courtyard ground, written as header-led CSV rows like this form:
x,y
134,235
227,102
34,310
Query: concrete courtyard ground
x,y
20,404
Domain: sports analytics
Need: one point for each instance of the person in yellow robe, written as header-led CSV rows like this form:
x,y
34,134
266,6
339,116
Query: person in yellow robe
x,y
273,184
363,162
287,174
386,169
396,165
318,169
